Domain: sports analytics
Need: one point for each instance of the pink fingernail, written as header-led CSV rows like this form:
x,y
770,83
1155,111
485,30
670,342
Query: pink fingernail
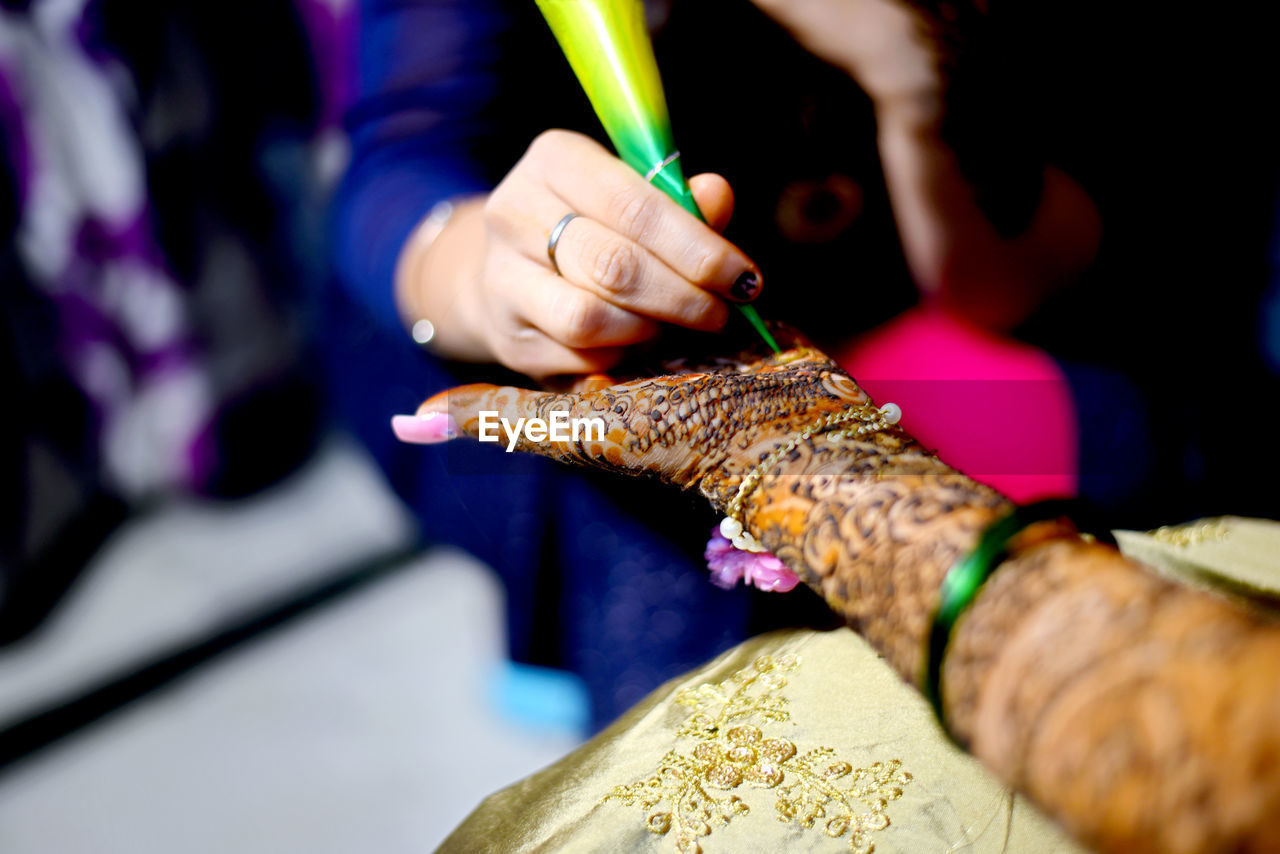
x,y
429,428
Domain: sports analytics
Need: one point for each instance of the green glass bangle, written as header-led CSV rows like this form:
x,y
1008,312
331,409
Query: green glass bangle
x,y
962,582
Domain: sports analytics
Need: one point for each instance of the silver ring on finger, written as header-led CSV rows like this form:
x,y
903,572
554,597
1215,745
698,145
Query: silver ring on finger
x,y
555,239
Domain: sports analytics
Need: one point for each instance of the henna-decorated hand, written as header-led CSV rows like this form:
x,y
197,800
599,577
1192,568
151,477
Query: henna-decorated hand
x,y
859,510
704,425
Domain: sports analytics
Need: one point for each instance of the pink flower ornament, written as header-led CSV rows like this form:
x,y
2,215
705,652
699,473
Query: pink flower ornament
x,y
729,565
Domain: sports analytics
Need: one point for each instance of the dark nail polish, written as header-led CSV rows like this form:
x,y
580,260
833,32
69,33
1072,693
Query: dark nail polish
x,y
745,287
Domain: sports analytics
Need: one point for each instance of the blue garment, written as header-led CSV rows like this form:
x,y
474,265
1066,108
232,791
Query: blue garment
x,y
422,89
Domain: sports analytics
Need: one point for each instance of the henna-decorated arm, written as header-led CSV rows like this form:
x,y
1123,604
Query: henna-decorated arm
x,y
1143,715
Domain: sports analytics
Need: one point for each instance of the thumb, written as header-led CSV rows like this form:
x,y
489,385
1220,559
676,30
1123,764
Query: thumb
x,y
714,197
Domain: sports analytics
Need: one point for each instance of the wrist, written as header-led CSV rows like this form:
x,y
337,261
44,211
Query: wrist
x,y
917,112
410,265
437,266
1013,538
829,443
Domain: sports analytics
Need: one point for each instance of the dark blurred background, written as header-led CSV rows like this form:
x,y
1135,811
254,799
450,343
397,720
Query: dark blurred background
x,y
218,624
216,632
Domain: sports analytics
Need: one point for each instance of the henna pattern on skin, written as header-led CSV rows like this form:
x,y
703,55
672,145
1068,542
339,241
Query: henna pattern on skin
x,y
872,525
1143,715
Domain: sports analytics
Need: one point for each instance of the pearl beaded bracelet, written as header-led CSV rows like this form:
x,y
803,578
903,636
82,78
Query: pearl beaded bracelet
x,y
733,526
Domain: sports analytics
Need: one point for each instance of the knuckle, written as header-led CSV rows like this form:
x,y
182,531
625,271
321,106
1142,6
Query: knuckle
x,y
495,205
521,349
634,213
580,318
708,262
617,266
551,148
505,202
702,311
509,352
546,143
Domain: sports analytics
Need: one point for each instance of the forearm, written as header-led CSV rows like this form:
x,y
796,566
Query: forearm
x,y
872,525
1114,697
1141,713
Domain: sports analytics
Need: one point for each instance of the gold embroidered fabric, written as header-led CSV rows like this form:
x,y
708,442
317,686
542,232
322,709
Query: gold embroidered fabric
x,y
1204,531
732,753
1228,553
839,696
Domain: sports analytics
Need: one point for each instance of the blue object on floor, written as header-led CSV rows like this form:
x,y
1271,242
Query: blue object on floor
x,y
541,697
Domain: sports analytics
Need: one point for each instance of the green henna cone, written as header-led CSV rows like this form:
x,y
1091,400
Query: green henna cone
x,y
607,44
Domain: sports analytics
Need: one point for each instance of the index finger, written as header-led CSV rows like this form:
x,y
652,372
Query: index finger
x,y
630,427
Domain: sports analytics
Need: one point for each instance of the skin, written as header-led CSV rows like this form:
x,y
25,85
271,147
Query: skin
x,y
634,260
1142,715
631,260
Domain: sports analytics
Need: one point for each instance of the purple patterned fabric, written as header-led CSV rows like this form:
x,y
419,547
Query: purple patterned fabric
x,y
85,235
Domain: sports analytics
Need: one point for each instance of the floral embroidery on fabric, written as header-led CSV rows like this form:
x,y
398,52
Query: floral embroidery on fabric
x,y
734,752
1193,534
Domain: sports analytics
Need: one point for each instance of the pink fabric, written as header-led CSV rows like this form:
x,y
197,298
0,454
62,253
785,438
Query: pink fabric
x,y
997,409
